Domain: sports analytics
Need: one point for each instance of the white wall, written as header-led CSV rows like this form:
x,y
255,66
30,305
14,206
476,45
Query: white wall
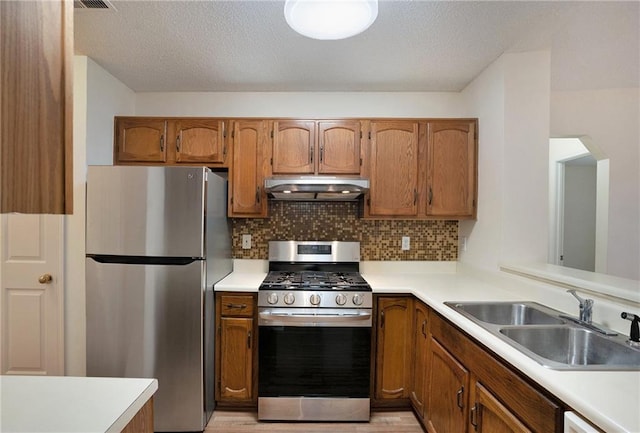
x,y
611,117
511,101
300,104
97,97
107,97
579,243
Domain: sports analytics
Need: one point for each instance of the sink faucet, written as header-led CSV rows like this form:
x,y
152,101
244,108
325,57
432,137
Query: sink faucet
x,y
586,305
634,334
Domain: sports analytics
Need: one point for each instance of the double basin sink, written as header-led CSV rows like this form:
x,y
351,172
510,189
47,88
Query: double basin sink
x,y
552,339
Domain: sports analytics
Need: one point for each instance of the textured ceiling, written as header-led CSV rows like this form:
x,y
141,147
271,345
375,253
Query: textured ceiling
x,y
413,46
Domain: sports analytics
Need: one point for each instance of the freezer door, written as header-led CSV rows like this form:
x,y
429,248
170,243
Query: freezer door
x,y
146,211
147,321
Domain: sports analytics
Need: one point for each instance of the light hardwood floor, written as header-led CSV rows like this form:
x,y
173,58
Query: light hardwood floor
x,y
247,422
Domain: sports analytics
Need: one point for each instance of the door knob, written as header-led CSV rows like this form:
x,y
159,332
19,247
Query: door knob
x,y
45,279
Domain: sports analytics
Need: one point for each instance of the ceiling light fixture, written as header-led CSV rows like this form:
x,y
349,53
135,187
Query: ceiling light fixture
x,y
330,19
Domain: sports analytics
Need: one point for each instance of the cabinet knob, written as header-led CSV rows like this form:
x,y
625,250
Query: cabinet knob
x,y
45,279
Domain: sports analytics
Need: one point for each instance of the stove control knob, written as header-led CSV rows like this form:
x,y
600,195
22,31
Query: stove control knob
x,y
357,299
289,298
341,299
272,298
314,299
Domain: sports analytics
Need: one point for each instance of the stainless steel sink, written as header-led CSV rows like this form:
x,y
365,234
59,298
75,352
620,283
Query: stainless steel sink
x,y
568,346
547,336
508,313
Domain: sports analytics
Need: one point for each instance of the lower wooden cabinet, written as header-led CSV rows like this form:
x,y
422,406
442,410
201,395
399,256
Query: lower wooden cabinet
x,y
393,351
420,358
471,391
236,361
490,416
448,388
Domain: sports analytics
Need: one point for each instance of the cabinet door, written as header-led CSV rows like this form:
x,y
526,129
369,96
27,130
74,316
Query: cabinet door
x,y
490,416
448,389
200,140
246,198
451,178
36,113
419,366
293,146
393,360
140,140
339,147
236,341
394,168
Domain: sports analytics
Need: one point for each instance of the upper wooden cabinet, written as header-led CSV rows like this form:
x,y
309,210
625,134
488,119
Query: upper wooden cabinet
x,y
200,140
180,141
393,169
36,114
247,172
339,147
316,147
294,145
422,169
452,169
140,140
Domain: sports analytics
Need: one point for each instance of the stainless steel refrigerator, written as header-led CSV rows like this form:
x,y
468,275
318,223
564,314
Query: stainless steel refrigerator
x,y
158,239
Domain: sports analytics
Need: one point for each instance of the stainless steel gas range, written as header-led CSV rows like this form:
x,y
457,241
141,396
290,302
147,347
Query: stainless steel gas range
x,y
315,333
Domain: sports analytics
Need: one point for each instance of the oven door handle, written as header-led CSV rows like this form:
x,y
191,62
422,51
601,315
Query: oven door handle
x,y
268,318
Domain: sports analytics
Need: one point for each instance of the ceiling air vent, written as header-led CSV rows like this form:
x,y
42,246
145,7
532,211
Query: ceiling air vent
x,y
92,4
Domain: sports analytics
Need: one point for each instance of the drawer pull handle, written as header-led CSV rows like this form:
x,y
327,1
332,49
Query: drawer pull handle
x,y
474,416
238,306
459,395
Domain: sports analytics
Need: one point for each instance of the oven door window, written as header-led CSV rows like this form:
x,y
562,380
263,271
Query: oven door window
x,y
314,361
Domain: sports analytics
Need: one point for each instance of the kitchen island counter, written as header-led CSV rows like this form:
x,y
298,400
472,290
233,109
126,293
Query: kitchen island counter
x,y
608,399
71,404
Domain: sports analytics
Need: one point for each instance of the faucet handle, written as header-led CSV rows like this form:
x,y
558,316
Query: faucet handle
x,y
586,305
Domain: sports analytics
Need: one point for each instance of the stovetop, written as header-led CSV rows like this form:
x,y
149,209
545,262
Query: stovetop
x,y
314,280
314,274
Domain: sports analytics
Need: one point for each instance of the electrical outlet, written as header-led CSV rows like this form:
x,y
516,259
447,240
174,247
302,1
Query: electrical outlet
x,y
246,242
464,243
406,243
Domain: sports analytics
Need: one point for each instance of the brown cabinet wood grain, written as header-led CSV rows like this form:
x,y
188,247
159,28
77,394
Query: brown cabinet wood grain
x,y
200,141
339,147
500,399
393,350
247,171
452,166
294,146
170,141
393,156
420,358
140,139
316,147
490,416
36,114
448,392
236,360
421,169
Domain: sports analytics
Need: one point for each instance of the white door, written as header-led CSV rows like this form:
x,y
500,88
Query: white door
x,y
31,302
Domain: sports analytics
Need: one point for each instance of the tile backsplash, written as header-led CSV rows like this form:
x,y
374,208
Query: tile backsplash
x,y
329,221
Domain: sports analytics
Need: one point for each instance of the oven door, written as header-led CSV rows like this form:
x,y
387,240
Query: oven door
x,y
314,364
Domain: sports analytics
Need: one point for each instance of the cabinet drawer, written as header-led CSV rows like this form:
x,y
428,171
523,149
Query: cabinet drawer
x,y
236,305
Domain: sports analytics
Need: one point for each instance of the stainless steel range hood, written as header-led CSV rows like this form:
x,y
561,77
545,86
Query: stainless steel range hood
x,y
320,188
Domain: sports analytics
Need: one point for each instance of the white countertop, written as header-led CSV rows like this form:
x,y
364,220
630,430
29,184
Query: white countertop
x,y
49,404
609,399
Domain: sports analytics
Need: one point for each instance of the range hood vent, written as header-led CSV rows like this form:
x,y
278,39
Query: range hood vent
x,y
316,188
